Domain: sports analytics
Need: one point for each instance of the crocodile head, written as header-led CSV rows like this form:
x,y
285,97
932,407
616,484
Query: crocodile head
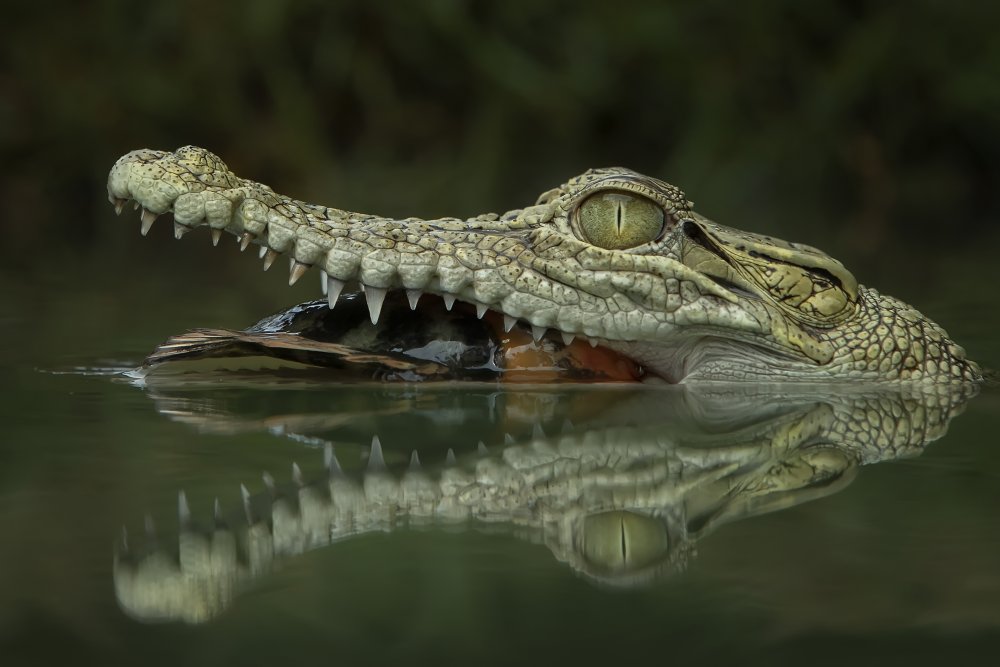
x,y
612,255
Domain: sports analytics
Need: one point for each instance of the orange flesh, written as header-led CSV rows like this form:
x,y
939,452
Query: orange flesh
x,y
524,360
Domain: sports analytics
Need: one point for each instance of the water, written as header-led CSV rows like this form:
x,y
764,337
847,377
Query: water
x,y
743,543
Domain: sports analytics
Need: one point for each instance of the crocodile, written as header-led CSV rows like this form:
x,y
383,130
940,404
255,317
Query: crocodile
x,y
611,257
622,497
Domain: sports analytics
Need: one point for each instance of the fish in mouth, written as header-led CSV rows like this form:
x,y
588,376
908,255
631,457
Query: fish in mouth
x,y
610,276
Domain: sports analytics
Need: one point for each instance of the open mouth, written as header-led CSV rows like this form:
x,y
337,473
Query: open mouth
x,y
426,339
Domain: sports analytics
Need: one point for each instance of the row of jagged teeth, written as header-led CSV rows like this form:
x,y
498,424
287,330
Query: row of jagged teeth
x,y
332,287
376,465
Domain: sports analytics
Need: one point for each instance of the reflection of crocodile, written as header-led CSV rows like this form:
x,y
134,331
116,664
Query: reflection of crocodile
x,y
611,255
621,499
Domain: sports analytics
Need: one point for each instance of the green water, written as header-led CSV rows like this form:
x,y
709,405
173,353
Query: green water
x,y
895,563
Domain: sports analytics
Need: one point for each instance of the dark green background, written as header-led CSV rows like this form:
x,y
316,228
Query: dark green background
x,y
871,130
866,127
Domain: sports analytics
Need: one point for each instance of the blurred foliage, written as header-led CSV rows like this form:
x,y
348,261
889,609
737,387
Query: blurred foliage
x,y
860,127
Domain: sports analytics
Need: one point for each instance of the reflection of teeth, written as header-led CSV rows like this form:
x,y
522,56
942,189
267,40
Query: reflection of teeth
x,y
297,474
330,460
414,461
245,494
376,460
183,510
449,458
218,511
268,482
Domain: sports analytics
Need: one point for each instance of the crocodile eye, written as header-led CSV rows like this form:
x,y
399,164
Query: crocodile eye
x,y
617,220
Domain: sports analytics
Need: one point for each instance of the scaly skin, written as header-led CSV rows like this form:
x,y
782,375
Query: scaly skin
x,y
621,504
686,298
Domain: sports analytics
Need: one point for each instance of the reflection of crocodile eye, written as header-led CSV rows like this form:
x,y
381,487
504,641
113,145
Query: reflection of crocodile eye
x,y
617,220
624,541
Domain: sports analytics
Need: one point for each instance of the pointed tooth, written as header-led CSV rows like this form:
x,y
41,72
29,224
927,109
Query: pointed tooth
x,y
536,432
449,458
376,460
268,482
296,474
537,332
323,275
414,460
481,448
180,230
509,322
333,289
147,218
269,257
567,338
480,310
216,236
413,295
119,204
245,240
374,296
592,341
262,251
298,269
245,495
449,301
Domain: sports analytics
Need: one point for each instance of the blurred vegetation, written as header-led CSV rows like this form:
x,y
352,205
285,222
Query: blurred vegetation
x,y
857,126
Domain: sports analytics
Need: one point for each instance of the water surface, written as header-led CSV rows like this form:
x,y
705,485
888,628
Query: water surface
x,y
743,543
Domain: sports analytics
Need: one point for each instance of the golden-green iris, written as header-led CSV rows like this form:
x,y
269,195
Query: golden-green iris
x,y
624,541
617,220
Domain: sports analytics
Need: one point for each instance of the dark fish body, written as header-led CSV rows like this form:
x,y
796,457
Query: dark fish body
x,y
429,342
